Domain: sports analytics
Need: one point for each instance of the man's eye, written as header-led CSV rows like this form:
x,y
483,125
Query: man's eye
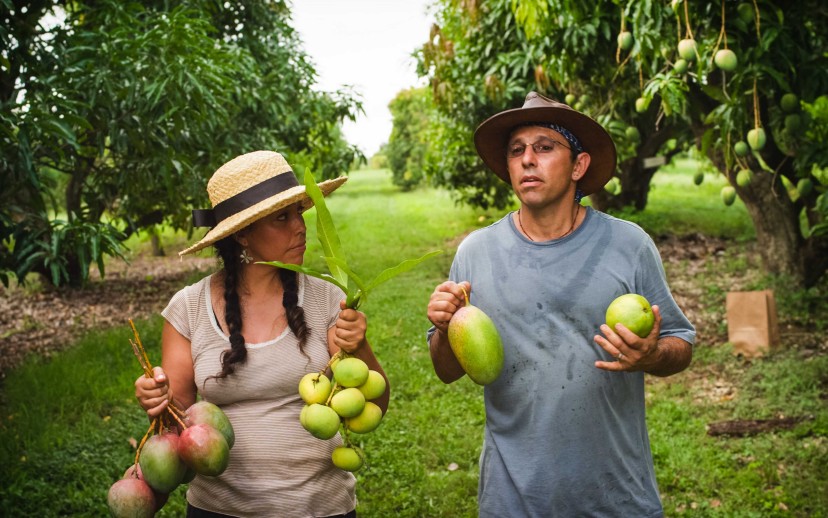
x,y
517,150
545,148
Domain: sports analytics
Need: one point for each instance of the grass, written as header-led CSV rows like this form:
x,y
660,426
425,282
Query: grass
x,y
676,205
66,423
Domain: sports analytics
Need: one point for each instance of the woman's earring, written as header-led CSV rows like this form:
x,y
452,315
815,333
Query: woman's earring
x,y
246,258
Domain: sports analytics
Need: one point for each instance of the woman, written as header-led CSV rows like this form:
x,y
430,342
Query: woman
x,y
243,337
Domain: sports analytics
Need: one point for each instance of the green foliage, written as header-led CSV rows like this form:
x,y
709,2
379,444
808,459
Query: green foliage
x,y
130,107
484,58
407,146
356,290
63,249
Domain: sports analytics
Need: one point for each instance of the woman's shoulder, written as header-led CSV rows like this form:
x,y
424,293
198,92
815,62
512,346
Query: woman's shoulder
x,y
318,288
195,290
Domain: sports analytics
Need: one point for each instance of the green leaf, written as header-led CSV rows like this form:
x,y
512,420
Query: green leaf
x,y
307,271
397,270
354,296
325,229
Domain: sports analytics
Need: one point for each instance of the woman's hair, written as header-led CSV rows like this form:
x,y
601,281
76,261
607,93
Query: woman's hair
x,y
229,250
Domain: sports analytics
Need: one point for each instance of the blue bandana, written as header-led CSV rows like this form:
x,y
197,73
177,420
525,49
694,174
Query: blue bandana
x,y
568,135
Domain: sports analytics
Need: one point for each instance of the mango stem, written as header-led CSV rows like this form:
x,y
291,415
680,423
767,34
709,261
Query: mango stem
x,y
146,436
465,295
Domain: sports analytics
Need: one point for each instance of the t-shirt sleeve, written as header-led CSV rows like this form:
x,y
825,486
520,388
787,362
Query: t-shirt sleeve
x,y
177,313
652,279
335,295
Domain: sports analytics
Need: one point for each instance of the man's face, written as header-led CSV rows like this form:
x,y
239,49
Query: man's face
x,y
541,167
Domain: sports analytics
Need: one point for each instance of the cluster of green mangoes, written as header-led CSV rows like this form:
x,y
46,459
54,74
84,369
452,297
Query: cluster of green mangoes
x,y
344,402
167,459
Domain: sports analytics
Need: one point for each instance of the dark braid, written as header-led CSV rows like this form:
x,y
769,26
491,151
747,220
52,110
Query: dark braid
x,y
229,250
295,314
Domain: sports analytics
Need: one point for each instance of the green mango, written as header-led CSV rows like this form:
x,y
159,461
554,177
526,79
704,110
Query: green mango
x,y
476,344
756,139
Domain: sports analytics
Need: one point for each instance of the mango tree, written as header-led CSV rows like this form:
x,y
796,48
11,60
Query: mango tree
x,y
115,114
622,64
408,143
474,73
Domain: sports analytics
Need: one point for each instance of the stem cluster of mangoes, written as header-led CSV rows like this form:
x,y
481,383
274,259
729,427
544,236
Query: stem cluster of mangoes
x,y
342,403
178,445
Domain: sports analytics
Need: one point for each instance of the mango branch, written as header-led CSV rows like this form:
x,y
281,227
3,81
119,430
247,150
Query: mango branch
x,y
163,421
144,439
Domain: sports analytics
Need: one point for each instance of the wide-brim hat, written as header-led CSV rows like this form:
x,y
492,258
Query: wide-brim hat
x,y
248,188
492,136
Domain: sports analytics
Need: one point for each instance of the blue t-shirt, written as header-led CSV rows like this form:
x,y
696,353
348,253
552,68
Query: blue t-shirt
x,y
562,437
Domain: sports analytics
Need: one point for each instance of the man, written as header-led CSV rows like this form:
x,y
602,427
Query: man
x,y
565,430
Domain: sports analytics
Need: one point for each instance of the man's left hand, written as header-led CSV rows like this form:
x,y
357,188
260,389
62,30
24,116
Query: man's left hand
x,y
631,352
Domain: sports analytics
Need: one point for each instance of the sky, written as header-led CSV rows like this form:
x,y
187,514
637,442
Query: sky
x,y
366,44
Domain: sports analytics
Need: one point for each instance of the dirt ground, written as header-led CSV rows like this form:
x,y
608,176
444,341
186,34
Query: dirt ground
x,y
36,320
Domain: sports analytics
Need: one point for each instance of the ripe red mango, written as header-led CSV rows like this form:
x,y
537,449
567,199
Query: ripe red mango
x,y
161,466
204,449
208,413
131,498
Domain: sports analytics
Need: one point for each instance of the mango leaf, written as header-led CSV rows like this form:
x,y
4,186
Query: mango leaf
x,y
326,231
307,271
400,268
356,293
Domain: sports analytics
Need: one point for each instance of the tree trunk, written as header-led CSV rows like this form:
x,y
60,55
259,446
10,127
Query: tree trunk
x,y
155,239
635,178
775,217
783,248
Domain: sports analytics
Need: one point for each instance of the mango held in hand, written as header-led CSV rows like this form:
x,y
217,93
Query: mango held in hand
x,y
634,312
476,343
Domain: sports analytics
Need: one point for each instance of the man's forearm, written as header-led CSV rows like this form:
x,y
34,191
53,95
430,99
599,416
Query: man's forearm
x,y
445,363
674,356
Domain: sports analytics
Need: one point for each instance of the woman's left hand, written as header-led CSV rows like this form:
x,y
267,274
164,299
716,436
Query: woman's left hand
x,y
349,330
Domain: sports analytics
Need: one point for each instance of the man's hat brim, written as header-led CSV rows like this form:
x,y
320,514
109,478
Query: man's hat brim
x,y
492,136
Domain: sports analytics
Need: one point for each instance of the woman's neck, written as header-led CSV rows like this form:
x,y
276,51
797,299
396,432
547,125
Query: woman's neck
x,y
259,281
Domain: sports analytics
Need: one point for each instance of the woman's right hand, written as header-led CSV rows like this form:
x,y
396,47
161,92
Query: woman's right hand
x,y
154,394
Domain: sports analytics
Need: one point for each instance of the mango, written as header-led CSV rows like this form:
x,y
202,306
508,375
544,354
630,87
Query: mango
x,y
367,420
633,311
131,498
687,49
374,386
348,402
476,343
209,413
756,139
350,372
204,449
726,60
320,420
161,466
349,459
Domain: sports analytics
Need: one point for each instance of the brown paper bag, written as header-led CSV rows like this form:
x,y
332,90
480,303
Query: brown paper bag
x,y
752,325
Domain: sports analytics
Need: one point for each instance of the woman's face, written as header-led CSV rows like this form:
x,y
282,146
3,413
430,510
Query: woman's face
x,y
277,237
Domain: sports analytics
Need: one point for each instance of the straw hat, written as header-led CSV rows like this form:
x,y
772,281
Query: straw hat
x,y
492,136
248,188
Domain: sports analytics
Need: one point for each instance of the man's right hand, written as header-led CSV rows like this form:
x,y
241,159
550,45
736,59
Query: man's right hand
x,y
446,299
154,393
